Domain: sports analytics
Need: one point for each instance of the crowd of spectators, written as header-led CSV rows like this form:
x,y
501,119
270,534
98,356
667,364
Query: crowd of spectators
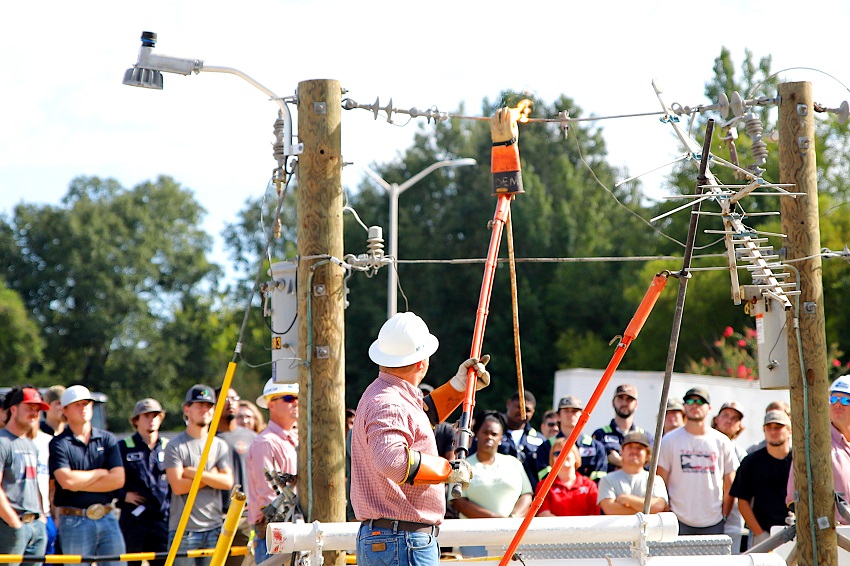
x,y
85,476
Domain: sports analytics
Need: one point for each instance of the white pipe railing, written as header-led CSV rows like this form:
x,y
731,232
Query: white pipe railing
x,y
659,527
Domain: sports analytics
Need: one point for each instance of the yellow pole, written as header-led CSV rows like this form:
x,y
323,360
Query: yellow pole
x,y
228,531
202,464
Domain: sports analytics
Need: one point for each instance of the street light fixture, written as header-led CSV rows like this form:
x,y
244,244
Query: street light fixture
x,y
394,190
147,73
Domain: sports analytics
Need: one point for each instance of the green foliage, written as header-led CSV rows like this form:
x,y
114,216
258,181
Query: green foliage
x,y
735,355
105,274
21,346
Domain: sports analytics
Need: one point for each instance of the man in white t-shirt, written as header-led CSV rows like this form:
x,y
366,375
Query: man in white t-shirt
x,y
698,463
622,492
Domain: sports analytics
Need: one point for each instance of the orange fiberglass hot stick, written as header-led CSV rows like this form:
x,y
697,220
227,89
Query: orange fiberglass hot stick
x,y
507,183
630,334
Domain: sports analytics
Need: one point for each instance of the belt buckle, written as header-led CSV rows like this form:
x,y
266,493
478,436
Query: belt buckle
x,y
96,511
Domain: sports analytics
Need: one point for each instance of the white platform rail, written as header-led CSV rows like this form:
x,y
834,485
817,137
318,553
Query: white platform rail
x,y
660,527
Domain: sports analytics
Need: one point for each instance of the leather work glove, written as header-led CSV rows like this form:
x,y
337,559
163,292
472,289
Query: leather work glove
x,y
503,126
461,473
459,380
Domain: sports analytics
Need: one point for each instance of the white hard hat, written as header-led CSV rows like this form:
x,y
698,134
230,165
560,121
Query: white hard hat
x,y
403,340
841,385
273,389
75,393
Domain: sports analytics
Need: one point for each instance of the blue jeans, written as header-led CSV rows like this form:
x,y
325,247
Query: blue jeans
x,y
379,546
30,539
87,537
261,551
192,540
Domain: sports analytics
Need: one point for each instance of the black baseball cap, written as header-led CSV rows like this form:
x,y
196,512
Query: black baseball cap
x,y
700,392
200,393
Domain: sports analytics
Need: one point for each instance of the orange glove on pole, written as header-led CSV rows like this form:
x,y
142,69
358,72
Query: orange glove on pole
x,y
632,330
507,181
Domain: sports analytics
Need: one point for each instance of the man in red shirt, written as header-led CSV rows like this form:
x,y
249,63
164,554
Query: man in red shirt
x,y
396,473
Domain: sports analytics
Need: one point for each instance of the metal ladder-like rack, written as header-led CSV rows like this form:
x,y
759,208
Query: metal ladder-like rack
x,y
742,242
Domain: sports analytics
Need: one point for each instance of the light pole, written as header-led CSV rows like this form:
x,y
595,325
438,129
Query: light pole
x,y
394,190
147,73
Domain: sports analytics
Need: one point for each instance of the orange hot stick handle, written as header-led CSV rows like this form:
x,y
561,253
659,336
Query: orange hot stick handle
x,y
633,329
503,207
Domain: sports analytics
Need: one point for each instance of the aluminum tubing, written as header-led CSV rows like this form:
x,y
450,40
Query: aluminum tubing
x,y
658,527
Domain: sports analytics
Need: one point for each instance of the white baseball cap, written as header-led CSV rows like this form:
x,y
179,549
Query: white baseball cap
x,y
403,340
75,393
273,389
841,385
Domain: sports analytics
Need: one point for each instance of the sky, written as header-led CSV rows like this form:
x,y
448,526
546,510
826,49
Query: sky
x,y
65,112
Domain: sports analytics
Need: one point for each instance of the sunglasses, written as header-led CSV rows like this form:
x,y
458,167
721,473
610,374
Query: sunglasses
x,y
553,423
695,401
287,398
556,453
835,399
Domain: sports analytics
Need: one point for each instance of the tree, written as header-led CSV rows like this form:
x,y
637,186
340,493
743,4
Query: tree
x,y
104,273
21,346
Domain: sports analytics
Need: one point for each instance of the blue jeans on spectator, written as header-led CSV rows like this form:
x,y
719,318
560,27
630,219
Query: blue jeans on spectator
x,y
378,546
88,537
30,539
193,540
716,529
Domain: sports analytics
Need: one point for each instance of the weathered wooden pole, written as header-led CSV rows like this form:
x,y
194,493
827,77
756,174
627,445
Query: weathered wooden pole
x,y
815,510
321,329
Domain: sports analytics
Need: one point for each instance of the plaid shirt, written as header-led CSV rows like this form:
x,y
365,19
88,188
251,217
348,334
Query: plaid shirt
x,y
277,450
390,419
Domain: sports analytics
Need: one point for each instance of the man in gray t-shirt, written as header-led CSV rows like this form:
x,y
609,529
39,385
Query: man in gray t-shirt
x,y
622,492
22,527
182,456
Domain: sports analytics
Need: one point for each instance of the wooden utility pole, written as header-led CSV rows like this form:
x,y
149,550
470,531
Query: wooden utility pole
x,y
816,538
321,329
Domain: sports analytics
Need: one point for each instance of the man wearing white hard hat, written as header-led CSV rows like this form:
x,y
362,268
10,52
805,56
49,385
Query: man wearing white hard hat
x,y
275,449
86,464
839,415
396,473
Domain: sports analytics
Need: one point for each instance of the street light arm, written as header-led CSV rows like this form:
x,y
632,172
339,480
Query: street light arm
x,y
433,167
377,178
245,77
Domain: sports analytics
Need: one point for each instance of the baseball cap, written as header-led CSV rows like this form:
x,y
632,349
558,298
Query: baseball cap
x,y
403,340
636,437
626,389
146,406
570,402
273,389
27,395
735,406
777,417
841,385
200,393
698,392
674,404
54,393
76,393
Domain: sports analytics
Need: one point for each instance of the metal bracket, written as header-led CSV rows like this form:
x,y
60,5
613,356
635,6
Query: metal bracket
x,y
320,108
318,559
